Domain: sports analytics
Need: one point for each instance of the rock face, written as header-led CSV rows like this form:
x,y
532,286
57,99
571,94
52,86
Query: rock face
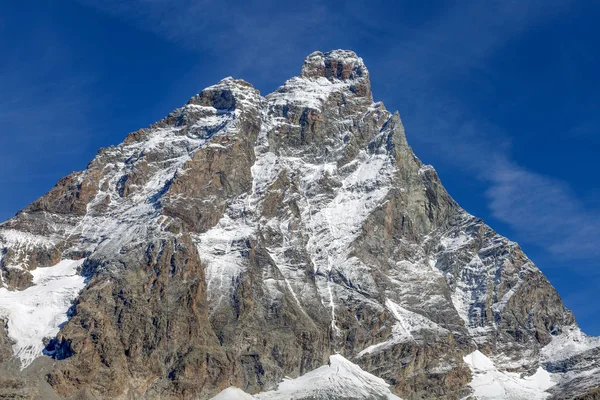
x,y
243,239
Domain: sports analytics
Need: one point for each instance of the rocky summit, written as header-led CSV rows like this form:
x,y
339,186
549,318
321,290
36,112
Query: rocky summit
x,y
288,246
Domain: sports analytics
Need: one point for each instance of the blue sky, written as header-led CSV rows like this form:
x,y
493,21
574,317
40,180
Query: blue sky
x,y
502,97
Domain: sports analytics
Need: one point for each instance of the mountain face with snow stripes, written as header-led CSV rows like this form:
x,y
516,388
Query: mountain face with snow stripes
x,y
242,243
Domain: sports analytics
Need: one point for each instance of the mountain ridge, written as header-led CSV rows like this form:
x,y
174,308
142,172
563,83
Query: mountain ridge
x,y
301,218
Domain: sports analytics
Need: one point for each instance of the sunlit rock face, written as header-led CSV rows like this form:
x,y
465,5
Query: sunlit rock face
x,y
246,238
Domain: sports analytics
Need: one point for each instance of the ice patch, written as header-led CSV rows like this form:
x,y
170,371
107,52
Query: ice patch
x,y
38,311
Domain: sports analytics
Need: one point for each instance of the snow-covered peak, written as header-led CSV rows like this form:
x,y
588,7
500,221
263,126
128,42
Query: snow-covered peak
x,y
227,94
324,74
336,64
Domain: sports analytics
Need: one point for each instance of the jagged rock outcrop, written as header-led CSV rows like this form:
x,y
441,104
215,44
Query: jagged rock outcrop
x,y
243,239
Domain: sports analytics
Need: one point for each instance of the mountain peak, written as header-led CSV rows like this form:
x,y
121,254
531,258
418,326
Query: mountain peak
x,y
244,239
227,94
336,64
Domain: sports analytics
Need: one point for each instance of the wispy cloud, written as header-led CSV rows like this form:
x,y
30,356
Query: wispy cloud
x,y
541,210
544,210
259,35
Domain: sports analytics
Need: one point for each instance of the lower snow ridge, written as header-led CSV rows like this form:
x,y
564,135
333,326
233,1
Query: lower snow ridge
x,y
340,380
37,312
233,393
490,384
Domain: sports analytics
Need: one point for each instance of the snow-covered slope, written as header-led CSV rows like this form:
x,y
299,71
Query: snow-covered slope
x,y
339,380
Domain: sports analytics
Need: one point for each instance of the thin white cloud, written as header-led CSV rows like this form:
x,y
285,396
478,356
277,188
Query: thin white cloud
x,y
545,211
540,209
261,35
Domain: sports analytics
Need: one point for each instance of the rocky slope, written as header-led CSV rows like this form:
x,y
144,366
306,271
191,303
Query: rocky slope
x,y
243,239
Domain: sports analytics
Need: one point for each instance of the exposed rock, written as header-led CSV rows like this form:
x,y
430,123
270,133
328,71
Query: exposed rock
x,y
5,343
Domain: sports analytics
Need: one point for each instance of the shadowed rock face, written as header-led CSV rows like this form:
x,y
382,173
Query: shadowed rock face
x,y
245,238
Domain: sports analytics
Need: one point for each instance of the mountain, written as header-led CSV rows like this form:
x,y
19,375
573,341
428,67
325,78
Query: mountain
x,y
242,243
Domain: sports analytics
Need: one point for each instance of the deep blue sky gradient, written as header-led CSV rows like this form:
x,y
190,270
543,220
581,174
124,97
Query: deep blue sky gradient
x,y
502,97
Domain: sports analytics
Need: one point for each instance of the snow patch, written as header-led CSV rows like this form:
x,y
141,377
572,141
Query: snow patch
x,y
568,344
409,324
233,393
38,311
456,242
426,168
489,383
222,250
334,223
305,92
